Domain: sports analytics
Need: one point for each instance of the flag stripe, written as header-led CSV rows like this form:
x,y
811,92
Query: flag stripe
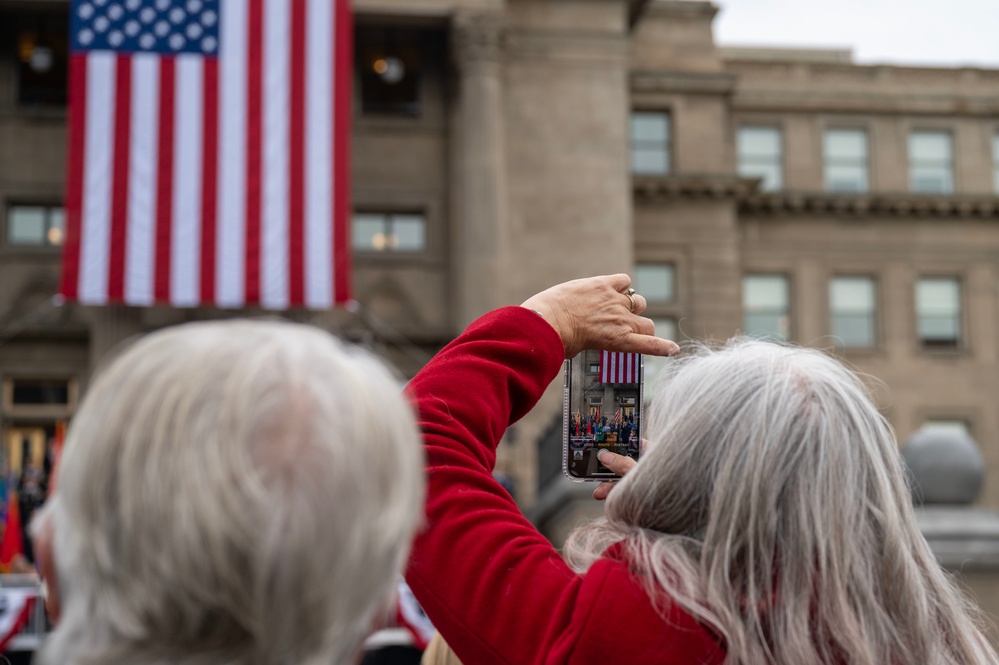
x,y
164,185
185,222
74,175
616,367
254,125
343,29
96,203
274,166
142,179
319,154
231,220
209,179
296,184
120,177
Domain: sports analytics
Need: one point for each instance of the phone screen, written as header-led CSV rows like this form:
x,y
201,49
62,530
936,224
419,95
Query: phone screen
x,y
603,409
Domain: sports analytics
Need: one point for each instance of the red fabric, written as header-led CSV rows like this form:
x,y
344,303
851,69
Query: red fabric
x,y
492,585
12,543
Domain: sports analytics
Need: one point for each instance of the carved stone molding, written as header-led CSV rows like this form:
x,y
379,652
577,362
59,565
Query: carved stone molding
x,y
866,205
751,201
682,82
477,37
650,189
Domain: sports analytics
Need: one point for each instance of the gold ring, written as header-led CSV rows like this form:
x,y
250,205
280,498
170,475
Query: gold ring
x,y
631,297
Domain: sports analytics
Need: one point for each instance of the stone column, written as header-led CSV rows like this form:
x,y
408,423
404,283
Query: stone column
x,y
478,214
110,326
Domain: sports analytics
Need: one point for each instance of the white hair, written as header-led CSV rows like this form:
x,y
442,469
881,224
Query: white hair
x,y
772,505
233,492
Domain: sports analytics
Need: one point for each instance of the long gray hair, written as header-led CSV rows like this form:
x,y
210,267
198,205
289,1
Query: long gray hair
x,y
232,492
772,505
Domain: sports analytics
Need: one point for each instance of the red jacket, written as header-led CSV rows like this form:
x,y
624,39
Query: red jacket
x,y
496,589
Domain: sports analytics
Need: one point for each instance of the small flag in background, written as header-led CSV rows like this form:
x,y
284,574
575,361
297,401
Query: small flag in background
x,y
208,153
616,367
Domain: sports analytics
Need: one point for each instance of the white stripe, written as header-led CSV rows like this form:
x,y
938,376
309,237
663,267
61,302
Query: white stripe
x,y
95,222
319,44
231,216
142,180
185,259
274,202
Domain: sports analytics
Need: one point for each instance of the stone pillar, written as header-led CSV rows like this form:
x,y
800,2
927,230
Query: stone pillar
x,y
478,166
110,326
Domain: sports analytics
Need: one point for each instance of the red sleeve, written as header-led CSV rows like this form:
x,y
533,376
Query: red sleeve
x,y
495,588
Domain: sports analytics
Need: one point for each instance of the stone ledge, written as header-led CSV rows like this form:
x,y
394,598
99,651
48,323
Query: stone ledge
x,y
862,205
962,537
682,82
663,188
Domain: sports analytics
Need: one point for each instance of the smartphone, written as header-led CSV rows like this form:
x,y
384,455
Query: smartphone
x,y
602,410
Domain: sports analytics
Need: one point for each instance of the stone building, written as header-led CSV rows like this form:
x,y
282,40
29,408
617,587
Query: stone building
x,y
501,146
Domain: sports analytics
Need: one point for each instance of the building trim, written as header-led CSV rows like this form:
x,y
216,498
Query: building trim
x,y
863,205
683,82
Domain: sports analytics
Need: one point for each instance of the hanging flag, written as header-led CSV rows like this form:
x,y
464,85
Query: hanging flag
x,y
616,367
13,541
208,153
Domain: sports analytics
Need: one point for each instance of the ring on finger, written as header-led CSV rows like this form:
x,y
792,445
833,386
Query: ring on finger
x,y
631,299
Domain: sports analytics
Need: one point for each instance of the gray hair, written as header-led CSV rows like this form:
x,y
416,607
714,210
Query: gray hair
x,y
772,505
233,492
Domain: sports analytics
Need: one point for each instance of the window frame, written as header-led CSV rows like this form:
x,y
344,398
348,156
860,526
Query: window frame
x,y
665,147
743,160
645,292
960,341
864,162
44,246
950,163
875,326
786,312
387,217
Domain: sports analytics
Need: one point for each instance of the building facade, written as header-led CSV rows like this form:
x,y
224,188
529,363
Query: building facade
x,y
501,146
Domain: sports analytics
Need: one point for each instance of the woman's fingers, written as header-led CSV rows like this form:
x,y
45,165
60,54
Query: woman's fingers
x,y
619,464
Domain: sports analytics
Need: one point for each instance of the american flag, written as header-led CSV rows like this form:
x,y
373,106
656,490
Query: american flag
x,y
208,153
616,367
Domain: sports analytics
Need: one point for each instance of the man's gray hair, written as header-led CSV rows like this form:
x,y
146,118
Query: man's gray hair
x,y
772,505
233,492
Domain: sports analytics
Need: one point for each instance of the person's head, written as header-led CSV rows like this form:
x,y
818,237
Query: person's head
x,y
238,492
772,503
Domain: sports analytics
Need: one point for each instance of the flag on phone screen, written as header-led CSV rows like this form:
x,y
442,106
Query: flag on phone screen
x,y
617,367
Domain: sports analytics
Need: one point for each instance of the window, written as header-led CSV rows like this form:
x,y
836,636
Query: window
x,y
938,312
852,311
761,155
650,143
654,281
931,162
845,154
389,232
37,39
390,63
765,305
995,162
38,226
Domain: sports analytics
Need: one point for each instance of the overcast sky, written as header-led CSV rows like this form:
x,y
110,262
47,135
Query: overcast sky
x,y
910,32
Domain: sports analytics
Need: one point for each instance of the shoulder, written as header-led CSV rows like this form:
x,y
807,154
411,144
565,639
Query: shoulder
x,y
617,622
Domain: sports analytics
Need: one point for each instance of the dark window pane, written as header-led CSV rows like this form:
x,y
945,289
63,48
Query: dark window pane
x,y
40,392
390,65
39,49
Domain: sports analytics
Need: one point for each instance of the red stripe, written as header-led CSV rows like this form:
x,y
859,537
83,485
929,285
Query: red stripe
x,y
209,179
119,184
164,181
74,176
254,162
296,181
343,58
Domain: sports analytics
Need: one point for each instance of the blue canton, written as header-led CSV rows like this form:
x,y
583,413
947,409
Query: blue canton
x,y
165,27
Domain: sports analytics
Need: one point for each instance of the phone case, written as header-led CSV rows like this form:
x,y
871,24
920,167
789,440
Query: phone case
x,y
602,408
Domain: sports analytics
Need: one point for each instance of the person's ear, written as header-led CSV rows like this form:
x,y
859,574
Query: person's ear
x,y
46,566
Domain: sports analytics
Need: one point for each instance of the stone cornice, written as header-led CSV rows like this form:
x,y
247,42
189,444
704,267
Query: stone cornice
x,y
867,205
745,192
682,82
652,189
675,8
